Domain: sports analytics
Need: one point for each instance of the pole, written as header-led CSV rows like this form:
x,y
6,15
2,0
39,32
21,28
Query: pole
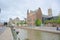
x,y
0,10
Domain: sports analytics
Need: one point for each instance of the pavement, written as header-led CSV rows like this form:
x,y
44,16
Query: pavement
x,y
7,34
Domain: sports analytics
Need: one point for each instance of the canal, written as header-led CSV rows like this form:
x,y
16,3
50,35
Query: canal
x,y
37,34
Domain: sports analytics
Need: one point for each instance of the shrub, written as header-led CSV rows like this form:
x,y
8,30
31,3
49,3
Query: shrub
x,y
50,21
58,21
38,22
17,23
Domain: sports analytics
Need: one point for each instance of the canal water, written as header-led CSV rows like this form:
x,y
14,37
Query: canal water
x,y
36,35
22,34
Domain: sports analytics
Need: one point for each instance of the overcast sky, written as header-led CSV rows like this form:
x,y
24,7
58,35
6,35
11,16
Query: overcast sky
x,y
18,8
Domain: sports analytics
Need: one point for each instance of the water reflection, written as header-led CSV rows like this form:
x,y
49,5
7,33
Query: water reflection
x,y
22,34
36,35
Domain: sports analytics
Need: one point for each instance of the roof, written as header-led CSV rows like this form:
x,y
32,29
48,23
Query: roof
x,y
46,16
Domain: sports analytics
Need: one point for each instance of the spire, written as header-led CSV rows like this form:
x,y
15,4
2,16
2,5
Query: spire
x,y
39,8
27,11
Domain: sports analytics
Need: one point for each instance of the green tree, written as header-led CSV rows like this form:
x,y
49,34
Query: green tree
x,y
17,23
25,22
38,22
21,23
58,21
50,21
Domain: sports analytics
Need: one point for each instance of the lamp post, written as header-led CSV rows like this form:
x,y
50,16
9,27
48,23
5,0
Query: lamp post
x,y
0,15
0,10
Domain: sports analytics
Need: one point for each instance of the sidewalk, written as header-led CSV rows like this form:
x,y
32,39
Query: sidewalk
x,y
6,35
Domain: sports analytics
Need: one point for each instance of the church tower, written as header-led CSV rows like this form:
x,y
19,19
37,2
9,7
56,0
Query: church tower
x,y
27,13
39,14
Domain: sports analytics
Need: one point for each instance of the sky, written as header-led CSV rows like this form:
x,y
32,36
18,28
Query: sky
x,y
18,8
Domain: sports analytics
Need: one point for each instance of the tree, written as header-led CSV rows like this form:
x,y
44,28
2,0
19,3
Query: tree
x,y
38,22
18,24
50,21
5,23
21,23
58,21
25,22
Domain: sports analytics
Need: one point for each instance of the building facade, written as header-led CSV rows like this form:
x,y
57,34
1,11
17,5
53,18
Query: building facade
x,y
33,15
49,12
13,21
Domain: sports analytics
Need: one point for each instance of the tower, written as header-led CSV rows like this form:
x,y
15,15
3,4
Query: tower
x,y
28,17
27,13
49,12
39,14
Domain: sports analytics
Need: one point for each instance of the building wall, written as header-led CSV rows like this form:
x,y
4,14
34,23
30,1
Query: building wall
x,y
14,21
30,18
39,14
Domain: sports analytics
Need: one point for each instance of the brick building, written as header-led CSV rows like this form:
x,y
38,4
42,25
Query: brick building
x,y
37,14
33,15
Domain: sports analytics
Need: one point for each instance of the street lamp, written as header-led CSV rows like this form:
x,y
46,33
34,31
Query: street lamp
x,y
0,10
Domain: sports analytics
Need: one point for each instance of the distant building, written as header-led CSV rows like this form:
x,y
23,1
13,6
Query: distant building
x,y
49,12
37,14
33,15
14,21
59,14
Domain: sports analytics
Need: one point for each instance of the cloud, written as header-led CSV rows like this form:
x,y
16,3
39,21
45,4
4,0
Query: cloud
x,y
14,8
